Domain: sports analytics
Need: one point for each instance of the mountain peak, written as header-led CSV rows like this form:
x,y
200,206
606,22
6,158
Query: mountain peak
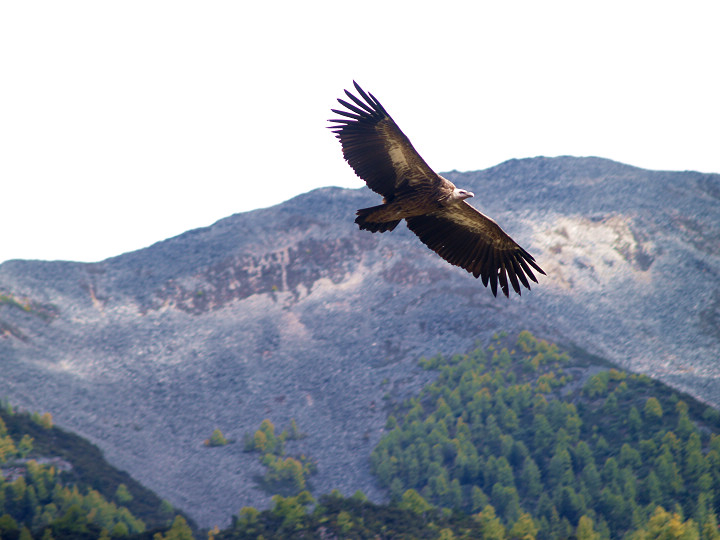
x,y
292,312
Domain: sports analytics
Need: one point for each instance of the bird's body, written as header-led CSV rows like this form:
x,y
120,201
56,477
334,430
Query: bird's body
x,y
434,209
410,204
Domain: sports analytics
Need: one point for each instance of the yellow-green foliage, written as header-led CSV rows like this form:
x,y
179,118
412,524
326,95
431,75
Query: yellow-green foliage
x,y
291,510
7,446
36,498
40,500
504,434
288,470
216,439
282,472
44,311
179,531
11,300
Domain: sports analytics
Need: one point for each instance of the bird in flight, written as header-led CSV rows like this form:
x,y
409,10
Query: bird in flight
x,y
433,208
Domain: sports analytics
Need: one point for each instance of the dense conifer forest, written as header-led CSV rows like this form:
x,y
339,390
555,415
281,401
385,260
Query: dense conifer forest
x,y
56,485
515,440
522,440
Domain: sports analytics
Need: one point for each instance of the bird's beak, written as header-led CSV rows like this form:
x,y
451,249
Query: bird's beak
x,y
470,194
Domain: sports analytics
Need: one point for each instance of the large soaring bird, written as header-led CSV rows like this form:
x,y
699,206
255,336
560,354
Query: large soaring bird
x,y
433,208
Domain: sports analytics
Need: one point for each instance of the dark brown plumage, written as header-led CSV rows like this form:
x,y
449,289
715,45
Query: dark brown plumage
x,y
434,209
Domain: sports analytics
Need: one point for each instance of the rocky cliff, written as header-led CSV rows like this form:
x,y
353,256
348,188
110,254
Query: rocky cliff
x,y
291,312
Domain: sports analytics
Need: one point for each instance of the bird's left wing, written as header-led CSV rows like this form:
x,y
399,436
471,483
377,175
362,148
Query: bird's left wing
x,y
466,238
376,148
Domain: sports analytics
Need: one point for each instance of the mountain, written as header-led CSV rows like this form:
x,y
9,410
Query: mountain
x,y
291,312
50,471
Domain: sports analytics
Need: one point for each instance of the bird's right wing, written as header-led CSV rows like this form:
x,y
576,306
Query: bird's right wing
x,y
377,150
466,238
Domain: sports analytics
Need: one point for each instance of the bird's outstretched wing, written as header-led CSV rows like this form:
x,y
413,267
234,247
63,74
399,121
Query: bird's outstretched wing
x,y
376,148
466,238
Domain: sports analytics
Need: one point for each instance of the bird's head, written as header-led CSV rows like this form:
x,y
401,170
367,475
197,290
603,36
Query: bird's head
x,y
462,194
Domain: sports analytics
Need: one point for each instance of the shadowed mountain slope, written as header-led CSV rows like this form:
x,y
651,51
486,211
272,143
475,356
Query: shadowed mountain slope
x,y
291,312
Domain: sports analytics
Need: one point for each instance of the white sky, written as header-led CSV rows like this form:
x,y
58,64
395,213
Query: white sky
x,y
124,123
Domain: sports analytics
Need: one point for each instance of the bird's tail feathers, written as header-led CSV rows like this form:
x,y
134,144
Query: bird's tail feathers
x,y
366,220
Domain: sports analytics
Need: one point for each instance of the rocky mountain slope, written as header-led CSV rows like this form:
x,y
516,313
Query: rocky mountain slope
x,y
291,312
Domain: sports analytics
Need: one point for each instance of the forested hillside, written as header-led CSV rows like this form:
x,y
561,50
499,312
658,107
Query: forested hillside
x,y
293,312
514,440
522,440
54,484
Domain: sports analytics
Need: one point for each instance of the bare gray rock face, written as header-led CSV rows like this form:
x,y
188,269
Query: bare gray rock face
x,y
292,312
